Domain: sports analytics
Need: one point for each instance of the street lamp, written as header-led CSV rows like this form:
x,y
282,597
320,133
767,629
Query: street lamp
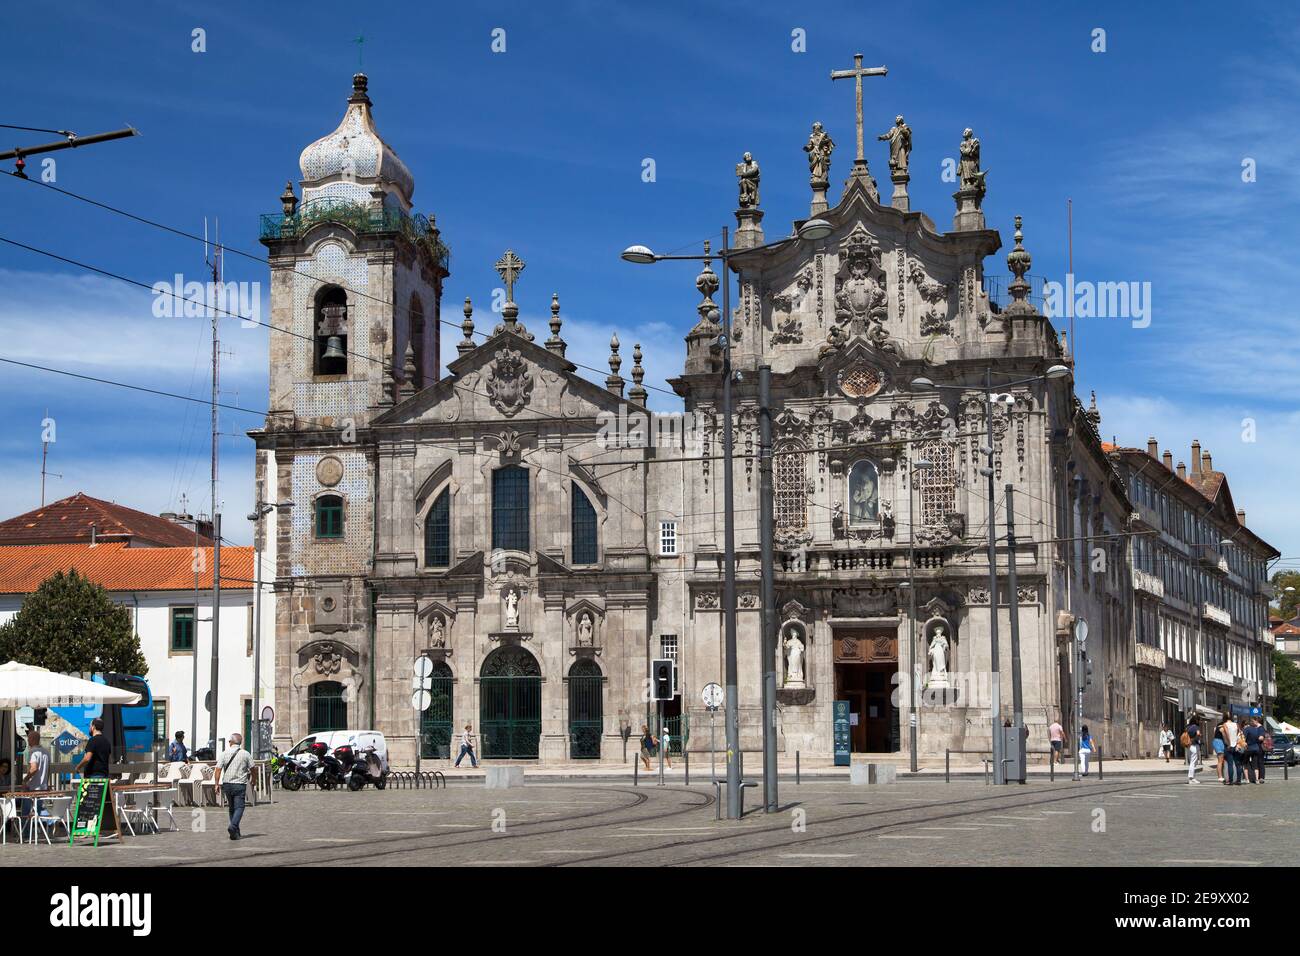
x,y
813,229
987,449
913,719
260,510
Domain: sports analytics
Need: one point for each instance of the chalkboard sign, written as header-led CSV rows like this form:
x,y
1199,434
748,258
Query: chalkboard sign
x,y
93,813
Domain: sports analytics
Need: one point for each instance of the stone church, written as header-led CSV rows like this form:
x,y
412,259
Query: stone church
x,y
467,545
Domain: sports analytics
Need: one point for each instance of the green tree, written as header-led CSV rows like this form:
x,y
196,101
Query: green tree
x,y
71,624
1286,704
1287,603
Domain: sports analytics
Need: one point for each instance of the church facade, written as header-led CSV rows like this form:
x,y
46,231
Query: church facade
x,y
471,547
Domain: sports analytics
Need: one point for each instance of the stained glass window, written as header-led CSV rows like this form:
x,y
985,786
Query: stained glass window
x,y
583,527
437,532
510,508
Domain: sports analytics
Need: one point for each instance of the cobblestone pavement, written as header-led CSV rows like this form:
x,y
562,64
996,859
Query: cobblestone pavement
x,y
1137,822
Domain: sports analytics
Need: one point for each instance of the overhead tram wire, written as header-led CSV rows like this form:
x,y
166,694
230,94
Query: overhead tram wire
x,y
266,262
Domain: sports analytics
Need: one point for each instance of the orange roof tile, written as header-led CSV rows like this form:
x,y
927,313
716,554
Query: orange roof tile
x,y
69,519
119,568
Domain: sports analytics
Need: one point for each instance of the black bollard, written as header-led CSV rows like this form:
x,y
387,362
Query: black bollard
x,y
796,768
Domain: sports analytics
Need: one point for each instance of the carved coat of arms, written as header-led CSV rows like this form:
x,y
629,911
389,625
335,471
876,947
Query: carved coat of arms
x,y
509,383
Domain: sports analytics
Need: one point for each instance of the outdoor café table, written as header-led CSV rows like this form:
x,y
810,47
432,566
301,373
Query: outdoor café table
x,y
35,795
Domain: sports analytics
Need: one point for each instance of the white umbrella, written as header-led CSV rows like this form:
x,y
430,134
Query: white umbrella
x,y
22,685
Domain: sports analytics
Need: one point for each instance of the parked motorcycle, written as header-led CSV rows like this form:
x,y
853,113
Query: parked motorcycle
x,y
361,767
293,772
328,771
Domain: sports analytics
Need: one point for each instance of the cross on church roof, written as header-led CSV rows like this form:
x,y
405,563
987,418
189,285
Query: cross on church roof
x,y
358,41
508,267
856,74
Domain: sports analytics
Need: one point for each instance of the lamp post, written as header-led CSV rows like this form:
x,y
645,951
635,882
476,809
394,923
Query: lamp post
x,y
987,470
260,510
913,719
812,230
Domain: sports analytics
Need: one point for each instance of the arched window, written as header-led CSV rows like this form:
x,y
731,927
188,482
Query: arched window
x,y
437,532
416,326
327,708
935,486
329,516
584,528
331,332
791,489
510,508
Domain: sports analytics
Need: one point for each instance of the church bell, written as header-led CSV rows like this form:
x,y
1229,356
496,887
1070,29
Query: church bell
x,y
334,348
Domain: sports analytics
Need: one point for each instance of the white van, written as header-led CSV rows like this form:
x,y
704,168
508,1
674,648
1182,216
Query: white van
x,y
359,739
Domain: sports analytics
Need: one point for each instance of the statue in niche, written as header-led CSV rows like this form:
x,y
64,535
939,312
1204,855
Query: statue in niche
x,y
748,174
864,493
512,610
585,631
938,658
794,651
437,632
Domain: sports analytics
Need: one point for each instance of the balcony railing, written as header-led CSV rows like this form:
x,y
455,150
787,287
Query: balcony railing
x,y
1266,636
1216,614
1145,581
1149,655
1211,558
358,217
1218,675
1148,515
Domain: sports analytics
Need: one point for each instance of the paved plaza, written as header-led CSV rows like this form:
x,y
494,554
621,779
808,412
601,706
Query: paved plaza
x,y
1134,820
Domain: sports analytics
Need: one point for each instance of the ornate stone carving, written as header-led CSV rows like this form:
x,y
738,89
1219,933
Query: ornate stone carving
x,y
748,599
899,138
707,600
748,173
795,611
507,442
977,595
510,384
859,380
785,326
327,660
329,471
819,148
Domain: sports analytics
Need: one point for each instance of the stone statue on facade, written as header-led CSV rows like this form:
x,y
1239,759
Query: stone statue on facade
x,y
899,138
968,168
748,174
512,610
437,632
819,149
938,658
793,659
585,631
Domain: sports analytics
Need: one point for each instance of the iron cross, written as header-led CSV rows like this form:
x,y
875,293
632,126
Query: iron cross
x,y
508,267
856,74
358,41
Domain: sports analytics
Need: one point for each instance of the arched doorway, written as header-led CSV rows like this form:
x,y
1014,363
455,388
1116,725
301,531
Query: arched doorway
x,y
326,707
435,722
510,704
585,710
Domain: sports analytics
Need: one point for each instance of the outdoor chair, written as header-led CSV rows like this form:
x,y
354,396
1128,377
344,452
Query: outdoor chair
x,y
208,785
187,785
164,800
50,812
8,814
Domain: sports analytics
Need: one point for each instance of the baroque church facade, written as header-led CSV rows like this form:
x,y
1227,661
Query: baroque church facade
x,y
468,547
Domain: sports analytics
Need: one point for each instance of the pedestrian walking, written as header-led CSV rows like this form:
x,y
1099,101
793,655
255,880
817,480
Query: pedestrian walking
x,y
1166,742
1254,737
1085,749
1192,741
1219,746
1056,734
232,774
467,748
649,745
1232,763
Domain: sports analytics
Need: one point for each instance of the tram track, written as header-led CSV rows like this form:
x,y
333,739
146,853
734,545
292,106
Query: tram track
x,y
801,840
419,842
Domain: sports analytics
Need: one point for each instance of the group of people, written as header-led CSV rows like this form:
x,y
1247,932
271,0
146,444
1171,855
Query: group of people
x,y
1087,746
1239,750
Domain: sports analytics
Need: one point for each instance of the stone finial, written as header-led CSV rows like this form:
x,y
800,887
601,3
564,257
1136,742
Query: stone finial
x,y
1094,413
708,284
288,201
360,83
467,344
638,391
407,388
1019,261
555,343
614,382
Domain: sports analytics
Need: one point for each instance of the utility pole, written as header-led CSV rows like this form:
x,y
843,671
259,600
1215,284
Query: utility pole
x,y
1013,599
71,141
729,554
767,585
216,515
999,770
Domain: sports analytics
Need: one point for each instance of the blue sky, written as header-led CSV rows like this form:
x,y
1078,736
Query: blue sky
x,y
540,148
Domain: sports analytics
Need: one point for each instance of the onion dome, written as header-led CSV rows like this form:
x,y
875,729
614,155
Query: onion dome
x,y
349,163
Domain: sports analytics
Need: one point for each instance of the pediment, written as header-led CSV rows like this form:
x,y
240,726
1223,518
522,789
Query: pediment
x,y
506,379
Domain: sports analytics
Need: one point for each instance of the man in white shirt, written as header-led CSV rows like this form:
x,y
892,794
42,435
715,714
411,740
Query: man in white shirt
x,y
1231,765
38,769
467,748
234,767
